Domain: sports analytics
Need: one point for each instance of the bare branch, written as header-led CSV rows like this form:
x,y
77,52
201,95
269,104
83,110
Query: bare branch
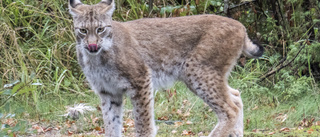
x,y
281,65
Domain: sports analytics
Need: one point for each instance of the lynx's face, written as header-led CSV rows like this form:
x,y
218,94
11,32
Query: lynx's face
x,y
92,24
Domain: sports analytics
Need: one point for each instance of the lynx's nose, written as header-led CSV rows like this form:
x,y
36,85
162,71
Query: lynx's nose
x,y
93,47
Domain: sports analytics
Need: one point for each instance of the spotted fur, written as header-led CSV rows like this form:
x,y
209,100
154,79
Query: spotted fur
x,y
138,57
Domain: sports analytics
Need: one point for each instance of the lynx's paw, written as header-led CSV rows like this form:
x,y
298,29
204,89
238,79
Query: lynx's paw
x,y
236,133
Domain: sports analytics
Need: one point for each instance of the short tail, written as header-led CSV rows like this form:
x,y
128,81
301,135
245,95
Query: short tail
x,y
252,49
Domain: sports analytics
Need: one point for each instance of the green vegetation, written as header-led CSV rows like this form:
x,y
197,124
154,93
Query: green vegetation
x,y
40,75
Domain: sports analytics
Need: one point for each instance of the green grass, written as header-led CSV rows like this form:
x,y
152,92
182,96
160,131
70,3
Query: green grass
x,y
38,58
176,105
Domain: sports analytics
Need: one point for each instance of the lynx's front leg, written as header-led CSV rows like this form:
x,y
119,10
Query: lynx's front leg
x,y
111,106
142,101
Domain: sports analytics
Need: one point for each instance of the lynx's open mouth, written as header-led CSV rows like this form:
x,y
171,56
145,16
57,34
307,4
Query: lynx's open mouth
x,y
93,48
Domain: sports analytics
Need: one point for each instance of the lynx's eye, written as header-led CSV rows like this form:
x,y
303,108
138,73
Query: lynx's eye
x,y
100,30
83,31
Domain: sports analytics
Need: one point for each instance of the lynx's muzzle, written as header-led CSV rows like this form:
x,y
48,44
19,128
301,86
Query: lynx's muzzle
x,y
93,48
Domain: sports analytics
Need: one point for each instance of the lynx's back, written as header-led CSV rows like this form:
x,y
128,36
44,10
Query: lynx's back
x,y
165,44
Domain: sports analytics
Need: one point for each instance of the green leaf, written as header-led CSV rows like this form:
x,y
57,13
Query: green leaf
x,y
7,107
33,75
213,3
19,110
6,92
16,88
24,90
5,125
67,83
20,126
2,134
16,128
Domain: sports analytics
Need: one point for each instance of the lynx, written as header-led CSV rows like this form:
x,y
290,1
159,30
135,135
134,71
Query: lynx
x,y
137,57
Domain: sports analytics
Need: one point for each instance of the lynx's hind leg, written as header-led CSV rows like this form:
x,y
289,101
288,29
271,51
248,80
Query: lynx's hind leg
x,y
111,106
210,84
236,98
234,91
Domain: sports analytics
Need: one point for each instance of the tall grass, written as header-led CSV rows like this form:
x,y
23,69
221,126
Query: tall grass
x,y
37,43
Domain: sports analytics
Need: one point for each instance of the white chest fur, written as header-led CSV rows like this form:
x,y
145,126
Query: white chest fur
x,y
103,79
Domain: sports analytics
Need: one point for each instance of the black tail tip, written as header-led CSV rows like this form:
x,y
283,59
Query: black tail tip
x,y
260,51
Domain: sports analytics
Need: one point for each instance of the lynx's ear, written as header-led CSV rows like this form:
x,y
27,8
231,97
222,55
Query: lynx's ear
x,y
110,7
72,7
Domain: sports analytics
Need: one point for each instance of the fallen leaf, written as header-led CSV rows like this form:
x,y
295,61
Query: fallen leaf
x,y
98,108
255,130
308,42
248,121
11,122
271,133
163,118
311,121
68,125
206,116
185,132
310,130
285,129
185,102
38,128
189,123
186,114
94,119
57,127
70,133
281,117
306,123
179,112
48,129
102,131
97,128
174,131
300,128
129,122
255,107
177,124
188,133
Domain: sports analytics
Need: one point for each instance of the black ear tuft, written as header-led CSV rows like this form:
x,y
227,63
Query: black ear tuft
x,y
71,2
108,2
74,3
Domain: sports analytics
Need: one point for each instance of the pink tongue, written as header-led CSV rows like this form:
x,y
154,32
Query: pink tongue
x,y
93,47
